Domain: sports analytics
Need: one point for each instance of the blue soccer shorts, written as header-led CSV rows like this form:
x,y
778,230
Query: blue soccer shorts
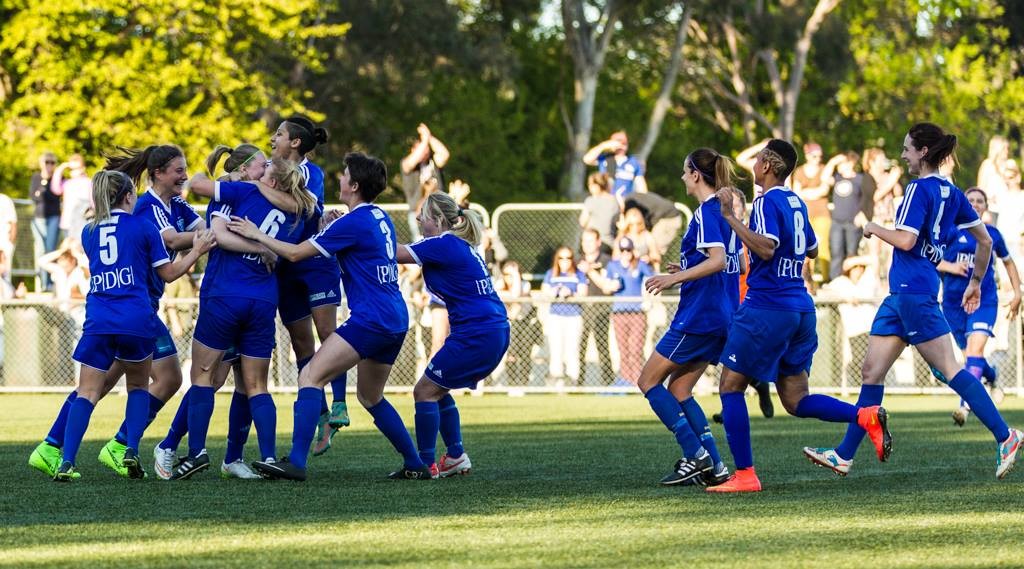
x,y
982,321
768,344
467,357
914,318
245,323
99,351
371,343
306,285
683,348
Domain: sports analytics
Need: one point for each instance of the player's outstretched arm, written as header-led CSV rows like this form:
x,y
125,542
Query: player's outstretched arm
x,y
715,263
899,238
202,242
293,253
759,245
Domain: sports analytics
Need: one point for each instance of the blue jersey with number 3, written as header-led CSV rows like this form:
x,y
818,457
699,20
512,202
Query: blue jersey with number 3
x,y
933,209
243,275
364,243
778,283
122,251
454,271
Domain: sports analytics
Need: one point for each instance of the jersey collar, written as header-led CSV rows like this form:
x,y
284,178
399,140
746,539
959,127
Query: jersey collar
x,y
782,188
118,210
160,201
360,205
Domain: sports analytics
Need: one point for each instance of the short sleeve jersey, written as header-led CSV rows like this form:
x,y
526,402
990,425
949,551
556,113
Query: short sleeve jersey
x,y
625,173
364,243
179,216
243,275
122,252
314,178
778,284
961,250
570,280
706,305
932,208
455,272
631,284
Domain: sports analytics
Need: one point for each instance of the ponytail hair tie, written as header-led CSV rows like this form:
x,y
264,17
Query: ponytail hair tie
x,y
462,212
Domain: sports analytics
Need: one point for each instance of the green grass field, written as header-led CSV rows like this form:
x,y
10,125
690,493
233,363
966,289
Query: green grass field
x,y
567,481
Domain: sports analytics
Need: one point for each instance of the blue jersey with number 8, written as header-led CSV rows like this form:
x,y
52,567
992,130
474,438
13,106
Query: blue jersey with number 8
x,y
933,209
243,275
778,284
364,243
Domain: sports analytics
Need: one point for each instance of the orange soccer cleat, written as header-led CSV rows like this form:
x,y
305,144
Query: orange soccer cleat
x,y
744,480
875,421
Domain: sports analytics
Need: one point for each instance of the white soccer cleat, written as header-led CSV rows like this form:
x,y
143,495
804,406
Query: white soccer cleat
x,y
449,466
163,462
238,469
1007,453
828,458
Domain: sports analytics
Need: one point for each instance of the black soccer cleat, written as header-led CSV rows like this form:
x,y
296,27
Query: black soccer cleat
x,y
764,399
282,469
65,473
189,466
412,474
132,463
714,477
688,470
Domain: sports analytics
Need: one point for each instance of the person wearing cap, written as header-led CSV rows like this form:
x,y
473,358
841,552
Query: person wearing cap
x,y
612,157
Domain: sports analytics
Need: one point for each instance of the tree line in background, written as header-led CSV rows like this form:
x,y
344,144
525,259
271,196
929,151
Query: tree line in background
x,y
517,89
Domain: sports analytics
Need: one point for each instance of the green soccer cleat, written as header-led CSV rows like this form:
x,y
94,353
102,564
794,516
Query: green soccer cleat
x,y
324,434
46,458
339,415
112,456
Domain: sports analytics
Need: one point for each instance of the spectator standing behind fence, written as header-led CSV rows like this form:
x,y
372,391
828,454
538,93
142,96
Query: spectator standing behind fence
x,y
46,217
886,177
8,231
661,216
1011,222
593,261
632,225
514,290
991,174
563,282
625,278
809,182
426,160
76,193
849,189
612,157
600,208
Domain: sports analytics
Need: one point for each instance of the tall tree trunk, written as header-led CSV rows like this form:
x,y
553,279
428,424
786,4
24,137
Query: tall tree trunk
x,y
668,85
583,124
787,116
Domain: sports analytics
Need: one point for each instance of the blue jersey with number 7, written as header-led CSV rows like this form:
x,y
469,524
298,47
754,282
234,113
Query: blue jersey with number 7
x,y
364,243
242,275
778,284
933,209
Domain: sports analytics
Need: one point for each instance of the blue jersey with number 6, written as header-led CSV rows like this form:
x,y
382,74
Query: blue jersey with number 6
x,y
932,208
243,275
778,283
122,250
364,243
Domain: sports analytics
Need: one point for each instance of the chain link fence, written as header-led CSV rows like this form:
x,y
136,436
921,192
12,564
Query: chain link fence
x,y
595,351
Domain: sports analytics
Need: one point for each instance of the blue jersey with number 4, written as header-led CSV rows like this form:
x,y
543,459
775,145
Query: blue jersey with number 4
x,y
364,243
122,251
178,216
961,250
243,275
932,209
778,283
454,271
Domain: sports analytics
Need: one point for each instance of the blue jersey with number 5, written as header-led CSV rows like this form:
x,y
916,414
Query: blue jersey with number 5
x,y
243,275
778,284
364,243
122,251
933,209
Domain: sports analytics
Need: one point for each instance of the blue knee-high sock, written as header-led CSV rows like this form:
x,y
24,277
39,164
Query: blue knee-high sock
x,y
827,409
968,387
239,423
155,405
306,412
338,386
179,425
989,373
736,421
672,416
699,423
451,426
976,366
303,362
200,410
78,422
264,416
56,435
428,423
870,395
390,424
136,417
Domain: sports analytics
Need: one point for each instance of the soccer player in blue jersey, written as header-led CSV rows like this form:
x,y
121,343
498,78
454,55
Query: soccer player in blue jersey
x,y
162,205
772,336
309,289
237,302
363,241
454,271
122,250
245,162
972,331
926,220
708,275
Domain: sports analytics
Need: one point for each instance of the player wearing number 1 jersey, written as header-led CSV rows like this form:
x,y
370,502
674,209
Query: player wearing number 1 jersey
x,y
772,336
931,211
363,241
